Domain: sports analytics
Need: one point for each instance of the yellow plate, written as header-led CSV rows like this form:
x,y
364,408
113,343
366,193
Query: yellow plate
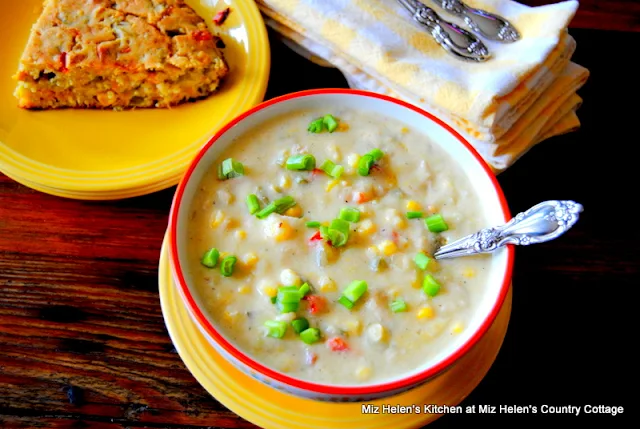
x,y
272,409
94,196
104,151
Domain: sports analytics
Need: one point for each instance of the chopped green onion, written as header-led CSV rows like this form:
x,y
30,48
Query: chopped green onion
x,y
310,335
316,126
300,324
436,223
283,204
355,290
430,286
349,214
324,231
288,297
422,260
332,169
415,215
252,203
289,307
340,225
266,211
337,238
364,165
227,265
304,290
210,258
301,162
229,169
276,328
376,154
330,122
338,232
398,306
289,288
274,299
345,301
312,224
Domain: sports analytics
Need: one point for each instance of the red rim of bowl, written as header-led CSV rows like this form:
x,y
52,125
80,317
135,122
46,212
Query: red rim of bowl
x,y
297,383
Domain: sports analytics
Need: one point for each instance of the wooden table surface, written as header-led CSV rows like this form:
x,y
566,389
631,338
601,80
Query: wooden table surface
x,y
83,342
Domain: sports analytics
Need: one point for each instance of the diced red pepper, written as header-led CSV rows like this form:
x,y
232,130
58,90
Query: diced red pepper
x,y
202,36
317,303
337,344
221,16
315,237
311,358
375,167
63,62
125,50
395,237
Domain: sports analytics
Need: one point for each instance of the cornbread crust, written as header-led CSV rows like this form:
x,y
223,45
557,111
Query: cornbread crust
x,y
118,54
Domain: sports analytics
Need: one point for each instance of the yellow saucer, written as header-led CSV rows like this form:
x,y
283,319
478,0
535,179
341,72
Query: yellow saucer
x,y
104,151
272,409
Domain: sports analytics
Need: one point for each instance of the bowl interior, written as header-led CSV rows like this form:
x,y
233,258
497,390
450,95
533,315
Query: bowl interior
x,y
479,176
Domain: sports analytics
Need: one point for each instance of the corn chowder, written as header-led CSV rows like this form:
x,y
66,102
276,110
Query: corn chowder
x,y
311,238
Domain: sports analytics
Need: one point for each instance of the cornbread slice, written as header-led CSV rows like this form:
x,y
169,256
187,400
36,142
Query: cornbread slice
x,y
118,54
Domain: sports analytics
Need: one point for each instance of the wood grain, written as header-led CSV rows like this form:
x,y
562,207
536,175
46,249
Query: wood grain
x,y
83,342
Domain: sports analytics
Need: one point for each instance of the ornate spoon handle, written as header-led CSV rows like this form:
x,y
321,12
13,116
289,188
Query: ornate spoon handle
x,y
486,24
543,222
456,40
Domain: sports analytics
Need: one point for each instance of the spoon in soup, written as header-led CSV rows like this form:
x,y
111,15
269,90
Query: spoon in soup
x,y
542,222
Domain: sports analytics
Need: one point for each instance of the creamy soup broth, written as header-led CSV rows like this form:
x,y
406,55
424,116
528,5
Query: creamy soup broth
x,y
368,342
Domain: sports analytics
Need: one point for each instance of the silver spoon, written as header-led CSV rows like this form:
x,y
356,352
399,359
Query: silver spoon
x,y
486,24
542,222
456,40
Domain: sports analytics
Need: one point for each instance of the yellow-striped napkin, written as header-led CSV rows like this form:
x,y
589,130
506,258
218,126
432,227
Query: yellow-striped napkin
x,y
525,94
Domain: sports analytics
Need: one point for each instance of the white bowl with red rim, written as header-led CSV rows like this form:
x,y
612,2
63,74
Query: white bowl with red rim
x,y
481,178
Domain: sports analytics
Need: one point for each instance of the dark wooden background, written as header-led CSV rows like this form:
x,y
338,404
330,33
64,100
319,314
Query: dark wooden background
x,y
83,343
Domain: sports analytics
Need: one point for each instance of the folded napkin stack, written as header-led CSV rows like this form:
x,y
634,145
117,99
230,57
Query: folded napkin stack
x,y
523,95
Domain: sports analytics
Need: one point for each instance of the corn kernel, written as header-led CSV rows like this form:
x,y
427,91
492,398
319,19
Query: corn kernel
x,y
295,211
413,206
285,181
399,222
331,184
363,372
230,223
217,219
230,316
372,252
457,328
417,280
241,234
279,230
334,152
377,333
342,126
367,227
353,327
426,313
469,273
352,160
290,278
249,260
404,130
387,247
244,289
326,284
269,291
